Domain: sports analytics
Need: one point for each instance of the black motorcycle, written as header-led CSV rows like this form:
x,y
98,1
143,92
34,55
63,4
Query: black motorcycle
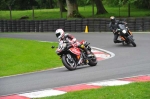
x,y
125,35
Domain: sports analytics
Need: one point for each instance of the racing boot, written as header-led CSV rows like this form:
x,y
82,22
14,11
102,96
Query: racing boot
x,y
88,54
118,41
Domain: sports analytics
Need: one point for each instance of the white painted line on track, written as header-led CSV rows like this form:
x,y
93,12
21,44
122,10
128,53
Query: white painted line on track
x,y
112,54
110,83
43,93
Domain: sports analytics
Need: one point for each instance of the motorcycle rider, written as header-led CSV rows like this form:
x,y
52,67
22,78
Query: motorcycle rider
x,y
113,25
61,35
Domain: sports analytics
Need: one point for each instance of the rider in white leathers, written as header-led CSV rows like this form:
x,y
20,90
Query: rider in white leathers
x,y
60,34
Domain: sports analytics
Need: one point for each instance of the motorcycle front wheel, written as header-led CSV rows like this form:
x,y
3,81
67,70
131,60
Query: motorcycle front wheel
x,y
69,62
92,60
132,41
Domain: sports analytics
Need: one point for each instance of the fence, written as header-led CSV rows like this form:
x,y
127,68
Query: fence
x,y
78,25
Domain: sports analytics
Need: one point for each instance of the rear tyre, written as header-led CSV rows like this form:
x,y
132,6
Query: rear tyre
x,y
69,62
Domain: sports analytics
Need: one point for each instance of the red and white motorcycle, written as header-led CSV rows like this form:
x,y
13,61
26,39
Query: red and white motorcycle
x,y
73,55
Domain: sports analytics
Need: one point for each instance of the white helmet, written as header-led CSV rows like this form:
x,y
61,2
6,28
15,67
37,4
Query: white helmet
x,y
59,33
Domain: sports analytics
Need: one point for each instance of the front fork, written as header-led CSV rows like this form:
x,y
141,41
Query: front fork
x,y
126,39
122,38
130,37
82,58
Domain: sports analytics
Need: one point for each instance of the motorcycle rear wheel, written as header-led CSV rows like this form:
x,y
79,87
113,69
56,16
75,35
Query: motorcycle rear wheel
x,y
70,64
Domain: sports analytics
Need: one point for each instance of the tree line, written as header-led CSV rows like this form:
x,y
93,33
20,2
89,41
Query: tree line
x,y
69,6
50,4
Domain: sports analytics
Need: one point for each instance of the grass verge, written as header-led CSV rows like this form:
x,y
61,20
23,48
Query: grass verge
x,y
19,56
139,90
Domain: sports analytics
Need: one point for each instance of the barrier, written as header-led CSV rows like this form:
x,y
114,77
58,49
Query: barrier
x,y
76,25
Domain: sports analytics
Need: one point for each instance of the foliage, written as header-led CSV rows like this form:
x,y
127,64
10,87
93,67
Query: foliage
x,y
17,4
9,2
4,4
83,2
118,2
26,4
46,3
72,1
49,14
143,4
138,3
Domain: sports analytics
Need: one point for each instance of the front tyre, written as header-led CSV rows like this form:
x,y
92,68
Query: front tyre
x,y
132,41
69,62
92,60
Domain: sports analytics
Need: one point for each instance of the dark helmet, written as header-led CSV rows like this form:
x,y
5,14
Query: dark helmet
x,y
112,19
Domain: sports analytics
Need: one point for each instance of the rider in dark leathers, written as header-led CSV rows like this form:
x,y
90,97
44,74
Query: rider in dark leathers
x,y
113,25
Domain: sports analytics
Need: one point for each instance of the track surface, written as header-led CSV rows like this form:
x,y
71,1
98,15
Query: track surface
x,y
128,61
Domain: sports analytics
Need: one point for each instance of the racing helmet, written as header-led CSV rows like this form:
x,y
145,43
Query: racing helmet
x,y
59,33
112,19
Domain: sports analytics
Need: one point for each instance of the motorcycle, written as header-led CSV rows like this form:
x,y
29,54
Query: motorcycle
x,y
73,56
125,35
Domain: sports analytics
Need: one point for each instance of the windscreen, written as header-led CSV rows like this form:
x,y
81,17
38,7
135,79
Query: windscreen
x,y
122,26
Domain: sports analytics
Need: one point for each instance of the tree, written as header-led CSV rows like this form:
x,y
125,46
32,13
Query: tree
x,y
121,3
9,3
51,3
129,2
72,8
100,7
3,5
62,7
142,4
61,4
46,3
33,3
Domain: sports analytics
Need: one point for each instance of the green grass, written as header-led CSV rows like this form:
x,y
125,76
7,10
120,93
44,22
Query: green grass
x,y
19,56
131,91
86,11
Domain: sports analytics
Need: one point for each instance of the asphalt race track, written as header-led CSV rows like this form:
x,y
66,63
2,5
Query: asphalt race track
x,y
128,61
